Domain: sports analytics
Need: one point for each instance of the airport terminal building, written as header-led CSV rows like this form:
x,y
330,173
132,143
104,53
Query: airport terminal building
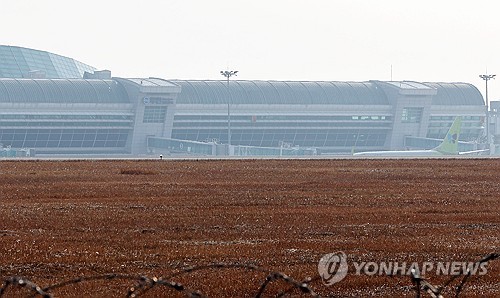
x,y
57,105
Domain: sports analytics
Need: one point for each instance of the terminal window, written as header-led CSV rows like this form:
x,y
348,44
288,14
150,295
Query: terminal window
x,y
154,114
411,115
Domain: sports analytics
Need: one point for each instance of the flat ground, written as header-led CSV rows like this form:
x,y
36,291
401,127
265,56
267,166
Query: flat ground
x,y
61,220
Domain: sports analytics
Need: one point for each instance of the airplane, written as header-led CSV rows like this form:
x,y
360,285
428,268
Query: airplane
x,y
449,146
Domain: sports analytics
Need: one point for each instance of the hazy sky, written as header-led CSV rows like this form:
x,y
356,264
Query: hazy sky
x,y
351,40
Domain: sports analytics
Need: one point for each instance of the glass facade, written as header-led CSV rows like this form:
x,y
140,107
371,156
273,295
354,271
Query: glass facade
x,y
472,127
298,130
154,114
65,130
63,138
412,115
17,62
34,121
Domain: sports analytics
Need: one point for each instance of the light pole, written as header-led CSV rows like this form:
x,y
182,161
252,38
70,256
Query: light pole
x,y
228,74
486,78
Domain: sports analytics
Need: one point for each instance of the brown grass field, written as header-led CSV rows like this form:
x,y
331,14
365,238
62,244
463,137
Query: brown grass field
x,y
61,220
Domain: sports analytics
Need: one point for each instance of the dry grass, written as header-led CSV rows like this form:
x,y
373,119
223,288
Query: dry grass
x,y
65,219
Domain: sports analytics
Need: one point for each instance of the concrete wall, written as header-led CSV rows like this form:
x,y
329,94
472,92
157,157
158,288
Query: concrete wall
x,y
140,98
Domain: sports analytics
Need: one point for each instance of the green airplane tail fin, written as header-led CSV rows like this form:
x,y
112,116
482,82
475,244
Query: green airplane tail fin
x,y
449,146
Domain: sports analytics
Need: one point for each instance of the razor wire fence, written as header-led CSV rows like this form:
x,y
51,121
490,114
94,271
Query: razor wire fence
x,y
143,284
422,284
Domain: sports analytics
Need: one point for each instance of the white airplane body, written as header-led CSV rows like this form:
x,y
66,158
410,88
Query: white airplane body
x,y
449,146
409,153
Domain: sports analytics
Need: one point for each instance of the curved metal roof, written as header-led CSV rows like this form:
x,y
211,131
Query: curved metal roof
x,y
61,91
456,94
280,92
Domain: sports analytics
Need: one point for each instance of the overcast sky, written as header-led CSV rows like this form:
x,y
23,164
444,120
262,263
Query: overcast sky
x,y
330,40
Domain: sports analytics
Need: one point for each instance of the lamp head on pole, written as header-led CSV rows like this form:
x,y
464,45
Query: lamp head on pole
x,y
228,73
487,77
